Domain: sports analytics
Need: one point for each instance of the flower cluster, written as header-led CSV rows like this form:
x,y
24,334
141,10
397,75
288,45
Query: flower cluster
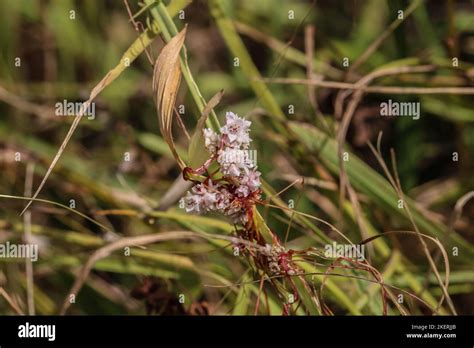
x,y
208,196
240,178
279,260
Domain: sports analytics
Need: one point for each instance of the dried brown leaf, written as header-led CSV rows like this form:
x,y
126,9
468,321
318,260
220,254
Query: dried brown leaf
x,y
166,81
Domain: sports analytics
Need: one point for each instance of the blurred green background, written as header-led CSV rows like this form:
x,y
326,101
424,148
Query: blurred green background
x,y
63,55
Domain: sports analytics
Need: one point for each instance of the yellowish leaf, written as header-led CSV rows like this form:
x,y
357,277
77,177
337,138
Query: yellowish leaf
x,y
166,80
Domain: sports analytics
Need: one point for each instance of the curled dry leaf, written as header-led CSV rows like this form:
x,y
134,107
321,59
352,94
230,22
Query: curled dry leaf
x,y
166,80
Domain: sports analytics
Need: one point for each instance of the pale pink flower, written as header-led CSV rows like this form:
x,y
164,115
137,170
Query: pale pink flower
x,y
208,200
211,140
223,198
233,158
242,191
237,130
251,179
234,162
192,203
